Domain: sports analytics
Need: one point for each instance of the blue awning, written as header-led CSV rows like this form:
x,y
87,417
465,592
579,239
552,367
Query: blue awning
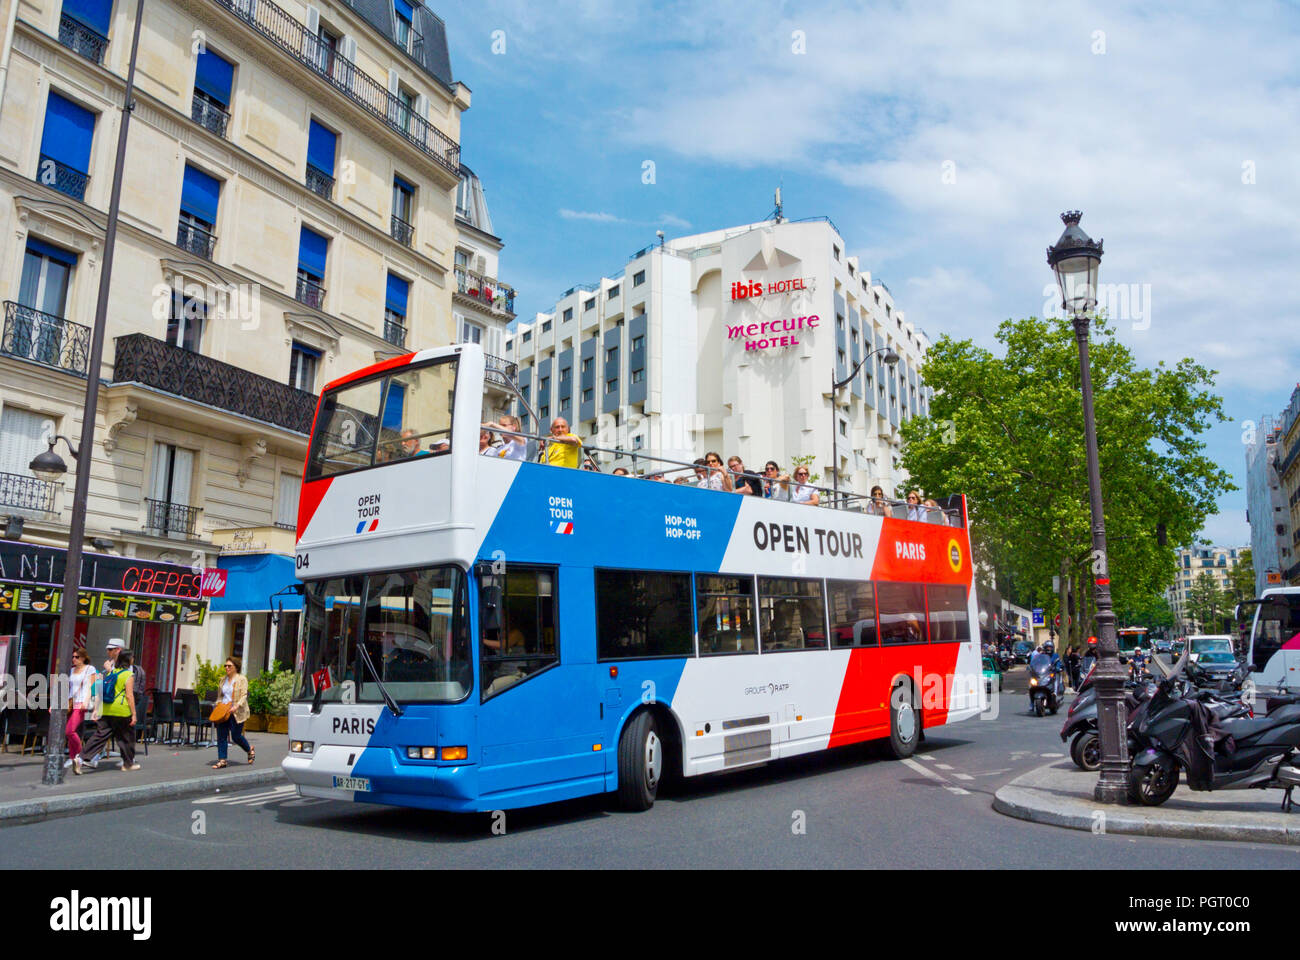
x,y
398,290
311,253
320,148
57,254
214,76
69,129
199,195
404,10
250,581
93,13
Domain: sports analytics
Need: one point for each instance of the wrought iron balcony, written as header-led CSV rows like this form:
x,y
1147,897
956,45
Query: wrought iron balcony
x,y
165,519
495,295
500,370
184,373
394,331
44,338
209,115
278,26
62,177
196,240
78,37
310,292
27,493
319,182
402,231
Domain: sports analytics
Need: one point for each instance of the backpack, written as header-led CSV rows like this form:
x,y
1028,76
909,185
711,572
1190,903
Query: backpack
x,y
110,686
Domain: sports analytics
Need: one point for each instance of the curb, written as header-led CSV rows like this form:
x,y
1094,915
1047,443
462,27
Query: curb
x,y
18,812
1025,803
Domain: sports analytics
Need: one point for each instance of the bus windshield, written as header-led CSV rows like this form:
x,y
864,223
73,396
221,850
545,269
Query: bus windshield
x,y
392,416
415,625
1277,623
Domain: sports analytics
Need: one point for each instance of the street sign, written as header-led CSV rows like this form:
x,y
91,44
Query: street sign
x,y
1038,616
1057,621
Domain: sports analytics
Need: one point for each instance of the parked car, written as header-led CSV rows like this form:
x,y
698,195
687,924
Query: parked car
x,y
1021,651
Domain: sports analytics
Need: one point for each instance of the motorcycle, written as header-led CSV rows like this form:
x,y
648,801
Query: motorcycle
x,y
1176,733
1046,684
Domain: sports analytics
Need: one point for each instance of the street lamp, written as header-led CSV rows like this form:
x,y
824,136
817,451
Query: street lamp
x,y
891,358
49,466
1075,259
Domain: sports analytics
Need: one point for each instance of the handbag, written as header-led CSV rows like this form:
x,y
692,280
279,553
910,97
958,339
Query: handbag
x,y
220,712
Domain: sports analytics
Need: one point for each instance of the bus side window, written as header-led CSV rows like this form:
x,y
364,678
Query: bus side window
x,y
517,625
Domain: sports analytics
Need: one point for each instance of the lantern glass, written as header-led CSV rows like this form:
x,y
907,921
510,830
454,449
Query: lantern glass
x,y
1077,278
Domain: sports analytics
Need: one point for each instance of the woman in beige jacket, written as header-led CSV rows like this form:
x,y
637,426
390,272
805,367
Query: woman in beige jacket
x,y
234,691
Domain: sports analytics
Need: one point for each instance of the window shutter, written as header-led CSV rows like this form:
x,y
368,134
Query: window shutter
x,y
313,19
422,106
348,47
21,439
158,477
392,81
182,476
288,511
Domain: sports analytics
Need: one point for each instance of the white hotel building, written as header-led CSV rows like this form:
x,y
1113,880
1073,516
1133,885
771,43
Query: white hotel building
x,y
673,357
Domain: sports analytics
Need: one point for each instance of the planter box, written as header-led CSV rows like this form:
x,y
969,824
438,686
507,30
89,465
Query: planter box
x,y
277,724
256,723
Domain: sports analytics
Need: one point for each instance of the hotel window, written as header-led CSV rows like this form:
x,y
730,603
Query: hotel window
x,y
836,251
589,304
404,211
397,293
568,314
312,251
611,356
586,364
638,376
546,325
638,342
47,273
322,144
565,374
303,361
185,325
613,292
65,147
611,386
405,16
528,335
170,485
638,278
587,395
200,195
213,80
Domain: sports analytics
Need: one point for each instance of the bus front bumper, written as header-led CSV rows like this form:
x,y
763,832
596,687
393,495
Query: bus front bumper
x,y
382,775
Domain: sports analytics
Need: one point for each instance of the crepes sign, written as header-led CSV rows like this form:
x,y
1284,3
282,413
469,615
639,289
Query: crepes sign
x,y
31,564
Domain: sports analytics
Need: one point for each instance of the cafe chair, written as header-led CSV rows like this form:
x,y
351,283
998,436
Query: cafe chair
x,y
141,722
15,724
193,717
164,712
38,729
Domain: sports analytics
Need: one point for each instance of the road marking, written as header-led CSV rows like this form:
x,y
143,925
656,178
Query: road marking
x,y
958,790
923,771
963,776
1051,756
927,758
279,793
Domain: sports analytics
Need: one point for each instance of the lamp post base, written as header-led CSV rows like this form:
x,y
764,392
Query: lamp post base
x,y
53,775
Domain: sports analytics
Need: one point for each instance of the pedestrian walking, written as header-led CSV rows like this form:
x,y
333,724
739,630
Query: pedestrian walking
x,y
118,721
234,695
80,701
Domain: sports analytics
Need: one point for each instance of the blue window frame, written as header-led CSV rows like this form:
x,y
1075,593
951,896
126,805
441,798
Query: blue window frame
x,y
321,145
199,196
69,130
93,13
214,76
312,248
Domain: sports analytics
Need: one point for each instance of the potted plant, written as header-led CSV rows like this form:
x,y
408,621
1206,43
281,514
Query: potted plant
x,y
258,704
279,692
208,676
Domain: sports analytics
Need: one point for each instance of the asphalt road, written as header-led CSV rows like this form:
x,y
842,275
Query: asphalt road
x,y
844,808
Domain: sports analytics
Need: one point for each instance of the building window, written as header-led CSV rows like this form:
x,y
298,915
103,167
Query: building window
x,y
564,404
312,251
638,278
840,355
405,17
611,386
587,395
836,251
403,211
590,304
566,374
396,294
518,624
638,376
286,508
22,437
544,385
185,325
643,614
65,147
509,345
568,314
83,27
611,356
322,145
546,326
638,342
638,442
169,512
543,412
613,292
303,361
200,194
47,274
471,332
586,364
213,81
528,335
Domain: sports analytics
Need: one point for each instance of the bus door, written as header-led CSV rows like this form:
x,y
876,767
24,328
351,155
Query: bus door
x,y
539,736
1275,642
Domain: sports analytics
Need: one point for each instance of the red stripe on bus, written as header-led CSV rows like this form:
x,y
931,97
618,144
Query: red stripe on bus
x,y
313,492
863,709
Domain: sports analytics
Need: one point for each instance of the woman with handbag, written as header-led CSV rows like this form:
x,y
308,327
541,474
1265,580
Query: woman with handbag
x,y
231,713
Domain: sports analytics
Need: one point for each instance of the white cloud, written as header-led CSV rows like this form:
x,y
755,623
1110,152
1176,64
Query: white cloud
x,y
594,217
668,220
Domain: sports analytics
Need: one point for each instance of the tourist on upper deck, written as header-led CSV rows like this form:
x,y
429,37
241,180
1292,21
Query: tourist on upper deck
x,y
878,505
803,491
934,513
776,483
563,449
915,511
621,472
512,448
715,478
742,482
485,447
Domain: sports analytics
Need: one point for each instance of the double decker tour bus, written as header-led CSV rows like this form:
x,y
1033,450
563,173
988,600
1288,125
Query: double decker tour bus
x,y
482,633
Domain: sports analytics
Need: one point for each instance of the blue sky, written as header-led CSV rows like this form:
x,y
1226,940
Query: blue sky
x,y
942,139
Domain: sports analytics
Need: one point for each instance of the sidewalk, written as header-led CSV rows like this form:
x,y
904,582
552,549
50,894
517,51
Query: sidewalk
x,y
167,773
1060,794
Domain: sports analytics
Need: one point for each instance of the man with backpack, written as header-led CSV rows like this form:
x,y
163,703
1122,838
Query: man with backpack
x,y
115,646
119,719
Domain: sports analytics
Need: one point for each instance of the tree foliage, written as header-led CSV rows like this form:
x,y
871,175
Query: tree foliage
x,y
1008,432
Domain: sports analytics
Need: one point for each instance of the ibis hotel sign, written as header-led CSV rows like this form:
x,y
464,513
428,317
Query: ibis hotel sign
x,y
768,334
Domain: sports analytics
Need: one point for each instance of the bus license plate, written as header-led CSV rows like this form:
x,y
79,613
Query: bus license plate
x,y
352,783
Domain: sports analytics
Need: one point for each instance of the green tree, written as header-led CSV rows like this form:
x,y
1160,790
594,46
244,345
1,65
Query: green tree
x,y
1008,432
1207,603
1241,578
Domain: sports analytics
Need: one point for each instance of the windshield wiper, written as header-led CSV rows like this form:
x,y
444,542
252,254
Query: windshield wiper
x,y
383,691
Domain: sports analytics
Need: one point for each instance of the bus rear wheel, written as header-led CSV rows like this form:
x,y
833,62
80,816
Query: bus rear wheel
x,y
640,763
904,722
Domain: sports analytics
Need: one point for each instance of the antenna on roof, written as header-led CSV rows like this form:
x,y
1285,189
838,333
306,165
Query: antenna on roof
x,y
777,214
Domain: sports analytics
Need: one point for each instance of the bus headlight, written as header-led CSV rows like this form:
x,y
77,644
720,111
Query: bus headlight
x,y
302,746
422,753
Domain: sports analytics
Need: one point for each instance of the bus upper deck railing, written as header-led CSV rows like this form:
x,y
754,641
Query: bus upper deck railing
x,y
669,470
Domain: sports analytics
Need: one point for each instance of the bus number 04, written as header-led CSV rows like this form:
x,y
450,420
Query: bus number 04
x,y
302,561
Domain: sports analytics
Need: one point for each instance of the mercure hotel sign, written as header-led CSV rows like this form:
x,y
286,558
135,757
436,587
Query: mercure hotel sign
x,y
767,334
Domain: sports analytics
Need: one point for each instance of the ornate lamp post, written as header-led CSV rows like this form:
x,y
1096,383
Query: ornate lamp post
x,y
891,358
1075,259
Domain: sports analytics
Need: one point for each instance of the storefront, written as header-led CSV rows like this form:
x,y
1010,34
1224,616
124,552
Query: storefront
x,y
254,613
143,602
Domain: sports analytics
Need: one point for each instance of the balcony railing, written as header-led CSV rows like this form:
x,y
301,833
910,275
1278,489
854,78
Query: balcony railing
x,y
479,287
44,338
209,115
394,332
194,239
27,493
402,231
78,37
310,293
184,373
62,177
278,26
319,182
500,370
166,519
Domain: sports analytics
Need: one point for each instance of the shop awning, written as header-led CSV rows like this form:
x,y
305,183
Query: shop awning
x,y
251,579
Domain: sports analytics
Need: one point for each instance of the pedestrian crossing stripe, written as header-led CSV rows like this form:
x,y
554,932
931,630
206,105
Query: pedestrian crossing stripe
x,y
285,792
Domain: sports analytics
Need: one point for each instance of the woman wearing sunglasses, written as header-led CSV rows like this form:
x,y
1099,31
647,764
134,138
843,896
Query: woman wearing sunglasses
x,y
803,491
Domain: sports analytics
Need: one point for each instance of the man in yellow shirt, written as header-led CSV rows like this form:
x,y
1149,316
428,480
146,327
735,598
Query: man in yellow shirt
x,y
562,448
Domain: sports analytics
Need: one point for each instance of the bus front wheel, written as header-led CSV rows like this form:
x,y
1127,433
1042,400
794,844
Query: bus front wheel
x,y
640,762
904,722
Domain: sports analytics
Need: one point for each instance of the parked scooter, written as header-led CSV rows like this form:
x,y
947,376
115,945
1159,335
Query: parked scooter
x,y
1080,726
1180,733
1046,681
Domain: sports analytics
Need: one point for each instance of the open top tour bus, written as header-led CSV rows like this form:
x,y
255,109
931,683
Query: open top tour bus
x,y
481,633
